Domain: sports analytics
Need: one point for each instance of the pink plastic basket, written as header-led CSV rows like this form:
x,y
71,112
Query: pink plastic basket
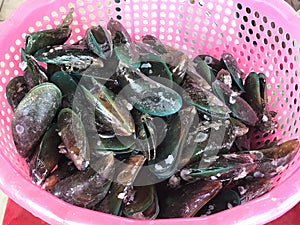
x,y
263,35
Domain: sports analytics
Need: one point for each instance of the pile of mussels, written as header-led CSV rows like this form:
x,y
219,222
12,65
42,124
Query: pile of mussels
x,y
137,129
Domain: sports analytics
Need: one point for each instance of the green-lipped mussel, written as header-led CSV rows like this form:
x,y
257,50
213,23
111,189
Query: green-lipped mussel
x,y
138,129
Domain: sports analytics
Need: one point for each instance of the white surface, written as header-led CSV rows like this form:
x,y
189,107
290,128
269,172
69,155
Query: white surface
x,y
3,201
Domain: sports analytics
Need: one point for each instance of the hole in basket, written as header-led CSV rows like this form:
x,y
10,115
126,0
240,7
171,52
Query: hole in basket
x,y
273,25
239,6
265,19
261,27
267,142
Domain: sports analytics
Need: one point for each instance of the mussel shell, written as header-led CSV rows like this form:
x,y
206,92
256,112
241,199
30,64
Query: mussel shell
x,y
111,109
147,95
87,188
146,134
33,116
238,106
204,100
47,155
74,137
144,204
154,65
203,69
16,90
98,39
225,199
111,203
215,64
67,85
116,144
253,91
57,36
104,70
155,43
255,95
176,147
65,168
44,38
188,199
274,160
36,74
249,189
229,172
129,169
119,34
232,66
74,98
71,58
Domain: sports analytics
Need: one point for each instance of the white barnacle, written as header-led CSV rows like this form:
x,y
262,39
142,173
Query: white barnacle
x,y
229,205
264,118
227,80
20,129
169,160
57,48
129,106
208,59
213,178
242,190
242,174
121,195
23,65
258,174
145,65
158,167
174,181
232,99
184,174
206,117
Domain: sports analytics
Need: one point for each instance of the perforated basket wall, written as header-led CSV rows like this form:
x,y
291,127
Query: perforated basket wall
x,y
263,35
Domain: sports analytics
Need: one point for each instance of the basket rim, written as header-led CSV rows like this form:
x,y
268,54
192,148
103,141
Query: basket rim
x,y
19,188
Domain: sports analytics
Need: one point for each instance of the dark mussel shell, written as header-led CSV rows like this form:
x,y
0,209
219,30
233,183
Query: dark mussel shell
x,y
47,155
188,199
33,116
15,91
44,38
87,188
73,135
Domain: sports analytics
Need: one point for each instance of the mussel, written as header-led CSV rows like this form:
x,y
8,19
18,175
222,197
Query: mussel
x,y
138,129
